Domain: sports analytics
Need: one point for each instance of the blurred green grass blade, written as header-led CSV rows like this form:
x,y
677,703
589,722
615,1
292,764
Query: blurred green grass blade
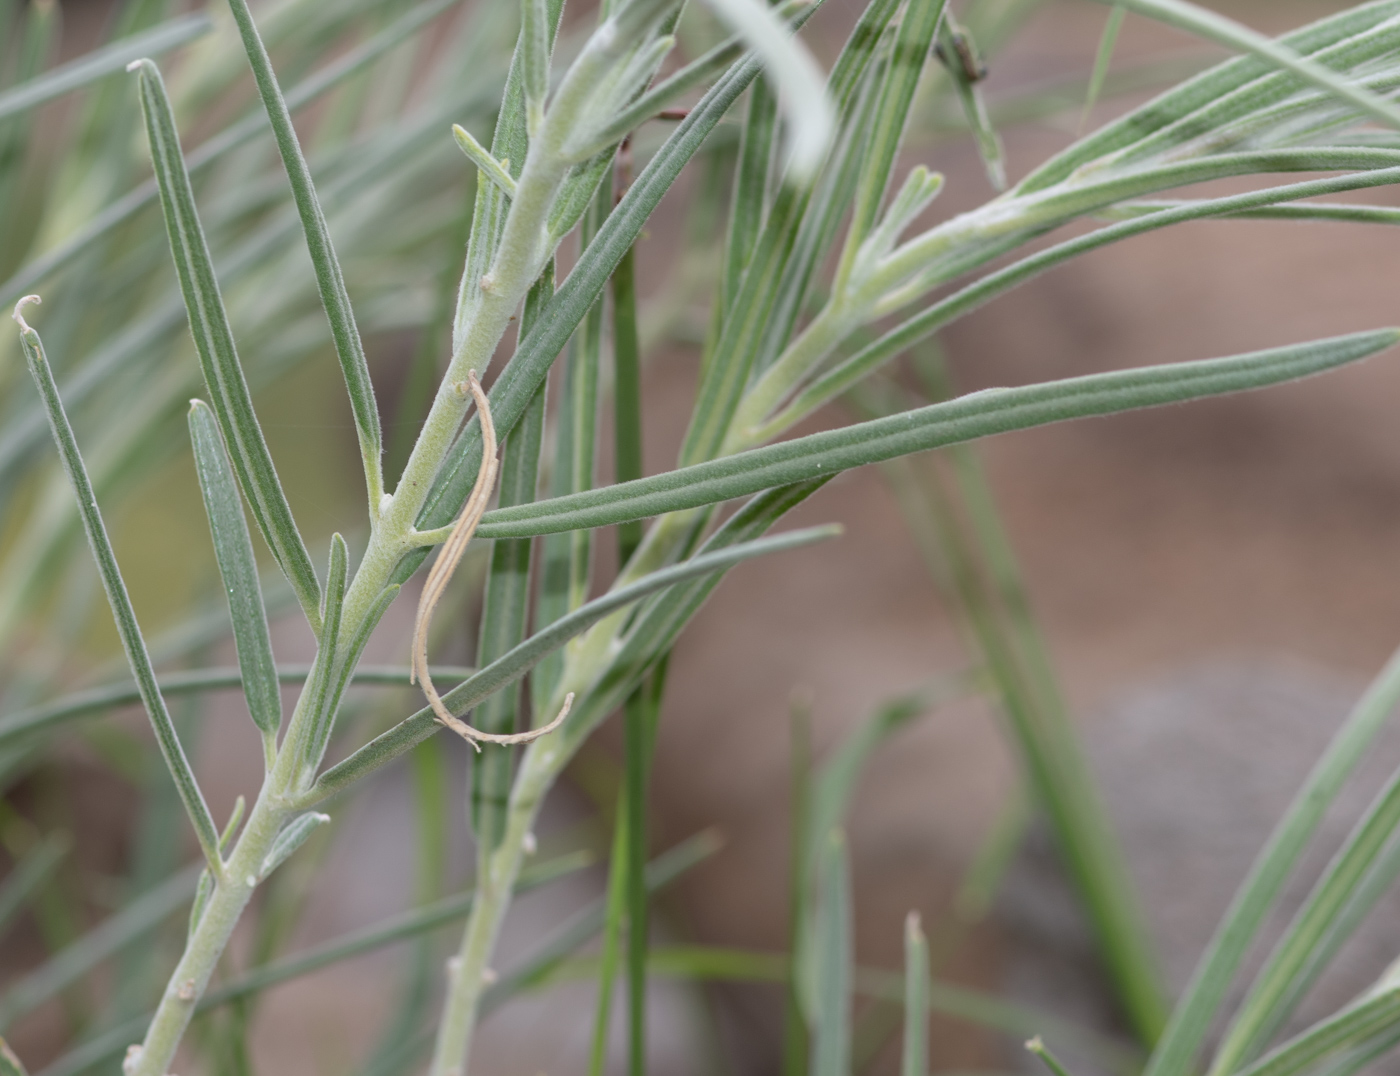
x,y
330,280
522,658
835,783
1037,1046
1357,1058
23,723
614,919
505,609
120,601
1224,31
1221,86
832,960
73,963
103,61
1102,59
641,714
1365,1019
30,873
1196,1010
238,567
228,391
537,968
536,352
716,963
795,1030
627,392
914,1059
977,415
109,1044
1266,1006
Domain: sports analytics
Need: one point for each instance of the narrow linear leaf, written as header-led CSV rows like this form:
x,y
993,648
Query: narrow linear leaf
x,y
290,839
1215,27
1191,1020
1351,1027
233,547
120,601
979,414
1267,1004
223,374
330,281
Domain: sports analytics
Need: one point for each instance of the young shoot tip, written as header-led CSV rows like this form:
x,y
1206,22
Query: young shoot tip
x,y
19,306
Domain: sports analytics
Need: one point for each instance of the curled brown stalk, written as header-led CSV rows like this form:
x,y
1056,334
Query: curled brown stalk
x,y
441,574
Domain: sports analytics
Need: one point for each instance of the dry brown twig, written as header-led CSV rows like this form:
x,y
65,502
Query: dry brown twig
x,y
441,575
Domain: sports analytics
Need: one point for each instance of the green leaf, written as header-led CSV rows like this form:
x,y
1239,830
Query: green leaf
x,y
1220,94
233,547
107,60
912,44
914,1060
290,839
521,659
535,39
1363,1020
1195,1012
849,372
832,958
117,597
979,414
1269,1001
223,375
1227,32
324,685
627,392
330,280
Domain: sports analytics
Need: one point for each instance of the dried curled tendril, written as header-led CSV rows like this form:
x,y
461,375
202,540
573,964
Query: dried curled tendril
x,y
441,575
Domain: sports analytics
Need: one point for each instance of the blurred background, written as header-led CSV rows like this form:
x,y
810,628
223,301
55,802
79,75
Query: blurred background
x,y
1215,581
